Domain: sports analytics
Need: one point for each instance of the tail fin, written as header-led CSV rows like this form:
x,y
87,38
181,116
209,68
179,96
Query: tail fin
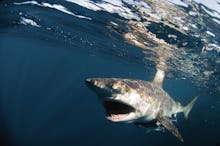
x,y
188,107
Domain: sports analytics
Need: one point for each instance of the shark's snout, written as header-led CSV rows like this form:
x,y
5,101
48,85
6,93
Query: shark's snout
x,y
93,83
98,86
89,81
99,83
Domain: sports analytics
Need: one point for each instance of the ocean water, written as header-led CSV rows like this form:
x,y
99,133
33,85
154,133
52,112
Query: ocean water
x,y
48,49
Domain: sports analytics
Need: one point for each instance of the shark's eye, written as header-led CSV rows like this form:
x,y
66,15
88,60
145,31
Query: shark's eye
x,y
127,89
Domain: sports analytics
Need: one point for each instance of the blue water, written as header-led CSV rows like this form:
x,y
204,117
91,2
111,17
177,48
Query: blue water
x,y
44,100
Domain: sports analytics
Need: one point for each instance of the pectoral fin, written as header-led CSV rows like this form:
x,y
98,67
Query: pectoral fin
x,y
167,123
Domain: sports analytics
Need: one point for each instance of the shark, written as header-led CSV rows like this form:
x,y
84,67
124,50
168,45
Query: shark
x,y
139,102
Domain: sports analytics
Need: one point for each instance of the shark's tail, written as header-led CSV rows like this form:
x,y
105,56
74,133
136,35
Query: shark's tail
x,y
188,107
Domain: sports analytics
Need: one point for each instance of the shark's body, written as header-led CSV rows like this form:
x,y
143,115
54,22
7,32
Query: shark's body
x,y
137,101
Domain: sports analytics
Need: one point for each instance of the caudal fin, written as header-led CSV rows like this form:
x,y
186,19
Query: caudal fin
x,y
188,107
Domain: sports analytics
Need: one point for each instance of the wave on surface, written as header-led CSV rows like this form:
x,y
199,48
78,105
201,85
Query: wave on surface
x,y
182,36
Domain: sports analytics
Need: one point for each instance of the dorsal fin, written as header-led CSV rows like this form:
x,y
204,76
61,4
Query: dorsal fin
x,y
159,76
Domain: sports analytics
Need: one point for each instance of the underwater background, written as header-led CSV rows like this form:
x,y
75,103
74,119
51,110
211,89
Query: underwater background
x,y
48,48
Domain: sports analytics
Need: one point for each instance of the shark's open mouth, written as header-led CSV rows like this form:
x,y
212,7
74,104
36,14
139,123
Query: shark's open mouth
x,y
117,111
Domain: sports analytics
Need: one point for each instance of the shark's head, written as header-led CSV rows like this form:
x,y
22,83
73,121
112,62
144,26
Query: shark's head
x,y
121,101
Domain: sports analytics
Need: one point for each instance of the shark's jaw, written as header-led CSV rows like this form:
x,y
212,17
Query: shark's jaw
x,y
116,109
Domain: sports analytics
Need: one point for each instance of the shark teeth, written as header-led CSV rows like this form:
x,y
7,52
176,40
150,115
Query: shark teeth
x,y
116,117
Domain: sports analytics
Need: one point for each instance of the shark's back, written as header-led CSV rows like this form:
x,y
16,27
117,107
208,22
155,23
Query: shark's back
x,y
147,90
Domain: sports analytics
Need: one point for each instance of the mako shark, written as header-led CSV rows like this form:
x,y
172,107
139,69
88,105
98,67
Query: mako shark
x,y
138,101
